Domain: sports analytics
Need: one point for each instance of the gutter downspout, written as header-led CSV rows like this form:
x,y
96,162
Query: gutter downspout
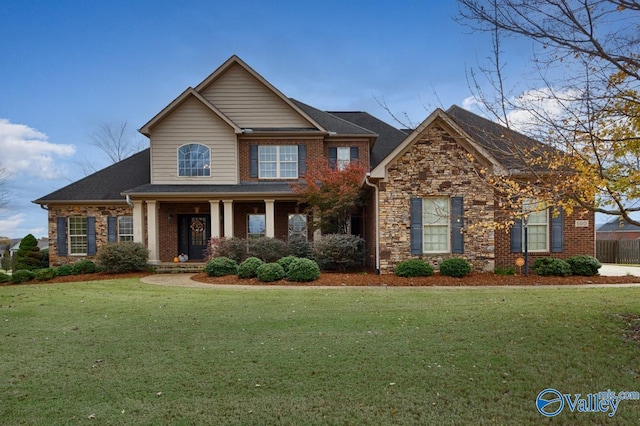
x,y
129,200
375,187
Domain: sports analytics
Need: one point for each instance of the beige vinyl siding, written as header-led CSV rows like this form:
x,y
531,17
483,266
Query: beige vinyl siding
x,y
192,122
249,103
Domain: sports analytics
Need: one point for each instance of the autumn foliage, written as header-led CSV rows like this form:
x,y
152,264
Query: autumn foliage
x,y
331,194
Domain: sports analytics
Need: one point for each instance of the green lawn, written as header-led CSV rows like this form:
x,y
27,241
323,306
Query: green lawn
x,y
122,352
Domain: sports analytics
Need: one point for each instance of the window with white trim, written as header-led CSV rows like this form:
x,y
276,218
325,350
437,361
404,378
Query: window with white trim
x,y
343,157
125,228
537,215
256,225
78,235
194,159
435,225
278,161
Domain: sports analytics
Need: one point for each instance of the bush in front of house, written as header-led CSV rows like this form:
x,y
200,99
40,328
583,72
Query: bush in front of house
x,y
269,272
121,257
303,269
84,266
221,266
299,247
233,248
267,249
4,278
455,267
413,268
551,266
286,261
28,256
338,252
45,274
22,276
64,270
584,265
248,268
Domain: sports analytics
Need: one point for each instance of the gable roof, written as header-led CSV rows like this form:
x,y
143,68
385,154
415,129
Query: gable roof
x,y
618,225
106,184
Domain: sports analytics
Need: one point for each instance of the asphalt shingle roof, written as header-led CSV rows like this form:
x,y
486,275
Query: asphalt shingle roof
x,y
617,225
332,122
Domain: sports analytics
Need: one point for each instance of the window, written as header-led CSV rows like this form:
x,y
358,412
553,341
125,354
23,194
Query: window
x,y
435,225
297,226
278,162
194,160
125,228
537,226
77,235
340,157
344,157
256,225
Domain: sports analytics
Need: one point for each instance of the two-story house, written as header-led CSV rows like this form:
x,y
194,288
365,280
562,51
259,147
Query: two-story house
x,y
222,157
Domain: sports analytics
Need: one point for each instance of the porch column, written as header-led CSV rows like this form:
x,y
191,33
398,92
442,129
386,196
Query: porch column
x,y
269,218
215,218
228,218
152,227
138,222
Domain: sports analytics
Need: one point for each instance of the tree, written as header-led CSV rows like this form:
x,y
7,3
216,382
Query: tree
x,y
28,255
331,193
583,102
117,141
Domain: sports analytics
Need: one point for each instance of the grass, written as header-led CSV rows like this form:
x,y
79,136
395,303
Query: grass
x,y
121,352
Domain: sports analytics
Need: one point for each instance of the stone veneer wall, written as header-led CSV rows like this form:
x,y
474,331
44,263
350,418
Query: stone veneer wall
x,y
435,166
101,213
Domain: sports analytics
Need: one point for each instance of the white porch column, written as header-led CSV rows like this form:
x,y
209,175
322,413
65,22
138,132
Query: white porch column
x,y
228,218
152,227
138,222
269,218
215,218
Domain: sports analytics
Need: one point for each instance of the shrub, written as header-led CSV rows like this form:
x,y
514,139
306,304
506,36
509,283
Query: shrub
x,y
551,266
64,270
300,247
28,255
44,258
584,265
413,268
125,256
4,278
85,266
338,252
22,276
221,266
303,269
45,274
286,261
248,268
267,249
233,248
268,272
505,271
455,267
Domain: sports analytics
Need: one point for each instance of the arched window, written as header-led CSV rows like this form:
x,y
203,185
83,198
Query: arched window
x,y
194,159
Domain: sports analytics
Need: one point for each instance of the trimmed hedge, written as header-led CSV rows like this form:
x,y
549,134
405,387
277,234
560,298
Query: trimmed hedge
x,y
45,274
455,267
85,266
302,269
286,261
121,257
413,268
550,266
64,270
4,278
22,276
269,272
249,268
584,265
221,266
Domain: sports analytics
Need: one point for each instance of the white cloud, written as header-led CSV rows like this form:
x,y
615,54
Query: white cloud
x,y
24,150
533,105
9,224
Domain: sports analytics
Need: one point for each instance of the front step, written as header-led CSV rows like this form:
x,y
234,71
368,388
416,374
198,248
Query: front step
x,y
178,267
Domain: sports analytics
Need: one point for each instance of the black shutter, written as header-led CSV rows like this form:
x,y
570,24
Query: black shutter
x,y
516,236
91,235
333,157
354,153
61,235
112,229
302,160
253,161
416,226
557,237
457,223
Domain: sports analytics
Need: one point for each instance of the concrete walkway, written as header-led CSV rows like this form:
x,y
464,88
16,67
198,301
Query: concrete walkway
x,y
610,270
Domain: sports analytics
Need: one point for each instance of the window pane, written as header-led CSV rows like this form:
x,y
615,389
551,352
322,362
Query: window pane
x,y
278,161
78,235
298,225
256,225
344,157
537,237
194,160
435,211
125,228
435,221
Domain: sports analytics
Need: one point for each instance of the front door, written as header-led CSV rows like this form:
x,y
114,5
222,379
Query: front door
x,y
194,232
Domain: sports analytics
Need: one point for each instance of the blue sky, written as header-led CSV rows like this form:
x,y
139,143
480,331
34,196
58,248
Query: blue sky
x,y
68,66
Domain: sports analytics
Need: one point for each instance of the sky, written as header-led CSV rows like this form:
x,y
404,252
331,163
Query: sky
x,y
66,67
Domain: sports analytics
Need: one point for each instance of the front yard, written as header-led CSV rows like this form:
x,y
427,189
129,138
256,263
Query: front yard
x,y
122,352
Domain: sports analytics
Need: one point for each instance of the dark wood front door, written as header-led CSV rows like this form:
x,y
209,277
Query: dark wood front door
x,y
194,232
